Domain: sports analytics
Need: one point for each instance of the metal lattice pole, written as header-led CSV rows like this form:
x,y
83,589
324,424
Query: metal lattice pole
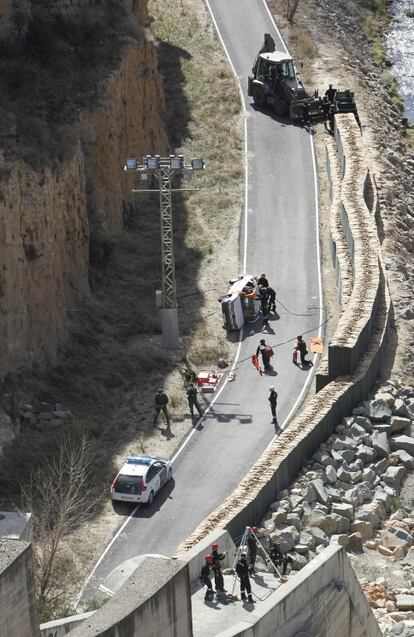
x,y
169,294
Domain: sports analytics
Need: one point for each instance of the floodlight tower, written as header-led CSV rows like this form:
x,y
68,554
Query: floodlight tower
x,y
164,169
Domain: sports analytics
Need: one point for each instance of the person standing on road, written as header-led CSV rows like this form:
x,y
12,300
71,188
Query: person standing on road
x,y
262,281
252,546
160,404
192,397
301,348
272,398
216,566
242,570
330,93
205,577
266,352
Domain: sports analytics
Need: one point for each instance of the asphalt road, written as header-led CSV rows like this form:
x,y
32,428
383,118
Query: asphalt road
x,y
281,241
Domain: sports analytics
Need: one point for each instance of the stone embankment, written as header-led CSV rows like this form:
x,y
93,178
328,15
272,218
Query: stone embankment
x,y
350,494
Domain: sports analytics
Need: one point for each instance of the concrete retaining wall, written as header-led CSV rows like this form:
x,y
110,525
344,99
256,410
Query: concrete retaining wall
x,y
154,602
61,627
17,601
324,598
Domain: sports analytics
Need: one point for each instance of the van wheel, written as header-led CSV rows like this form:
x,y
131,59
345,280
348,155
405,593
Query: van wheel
x,y
151,498
259,97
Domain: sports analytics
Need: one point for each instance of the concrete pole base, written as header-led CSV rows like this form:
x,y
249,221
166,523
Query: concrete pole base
x,y
169,328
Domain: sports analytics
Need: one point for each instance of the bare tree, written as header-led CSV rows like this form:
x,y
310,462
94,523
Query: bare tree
x,y
292,5
60,495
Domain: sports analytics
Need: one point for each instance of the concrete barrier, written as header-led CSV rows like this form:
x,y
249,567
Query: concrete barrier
x,y
324,598
154,602
61,627
17,601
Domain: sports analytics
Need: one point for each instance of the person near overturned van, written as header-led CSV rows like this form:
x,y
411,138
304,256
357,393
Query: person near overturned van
x,y
160,404
302,349
192,397
266,352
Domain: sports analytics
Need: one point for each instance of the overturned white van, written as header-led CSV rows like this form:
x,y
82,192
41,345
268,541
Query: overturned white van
x,y
241,304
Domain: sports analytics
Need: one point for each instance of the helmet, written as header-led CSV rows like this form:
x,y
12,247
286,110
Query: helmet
x,y
254,529
208,558
262,341
272,388
214,547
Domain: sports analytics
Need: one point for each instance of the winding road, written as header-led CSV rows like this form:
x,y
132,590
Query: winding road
x,y
280,238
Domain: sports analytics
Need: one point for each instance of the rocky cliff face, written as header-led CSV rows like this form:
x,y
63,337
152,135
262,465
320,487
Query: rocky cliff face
x,y
46,213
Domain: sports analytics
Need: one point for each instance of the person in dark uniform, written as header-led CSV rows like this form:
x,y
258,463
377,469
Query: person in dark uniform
x,y
271,299
242,570
330,93
205,577
252,546
160,404
262,280
266,352
278,558
301,348
216,567
192,397
272,398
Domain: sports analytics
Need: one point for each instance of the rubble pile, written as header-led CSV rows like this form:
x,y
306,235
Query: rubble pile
x,y
350,493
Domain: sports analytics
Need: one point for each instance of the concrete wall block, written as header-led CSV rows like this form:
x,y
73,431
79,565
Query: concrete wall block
x,y
18,615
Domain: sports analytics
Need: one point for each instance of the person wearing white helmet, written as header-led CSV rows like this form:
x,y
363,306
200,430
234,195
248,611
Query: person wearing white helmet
x,y
272,398
242,570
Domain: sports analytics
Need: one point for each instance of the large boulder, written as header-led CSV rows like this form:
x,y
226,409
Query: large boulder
x,y
381,466
288,538
298,560
293,519
327,523
342,524
402,442
342,444
366,454
364,527
359,494
394,476
357,431
377,409
368,512
320,492
351,477
364,422
344,509
331,475
398,423
404,458
380,444
356,543
400,408
391,541
319,537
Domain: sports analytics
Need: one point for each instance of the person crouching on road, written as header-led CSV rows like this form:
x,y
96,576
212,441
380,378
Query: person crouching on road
x,y
205,577
301,348
192,397
242,570
160,404
216,567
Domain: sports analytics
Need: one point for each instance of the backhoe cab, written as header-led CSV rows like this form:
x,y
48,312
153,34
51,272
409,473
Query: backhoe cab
x,y
274,83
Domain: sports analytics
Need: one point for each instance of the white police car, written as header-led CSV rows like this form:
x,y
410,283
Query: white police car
x,y
140,478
